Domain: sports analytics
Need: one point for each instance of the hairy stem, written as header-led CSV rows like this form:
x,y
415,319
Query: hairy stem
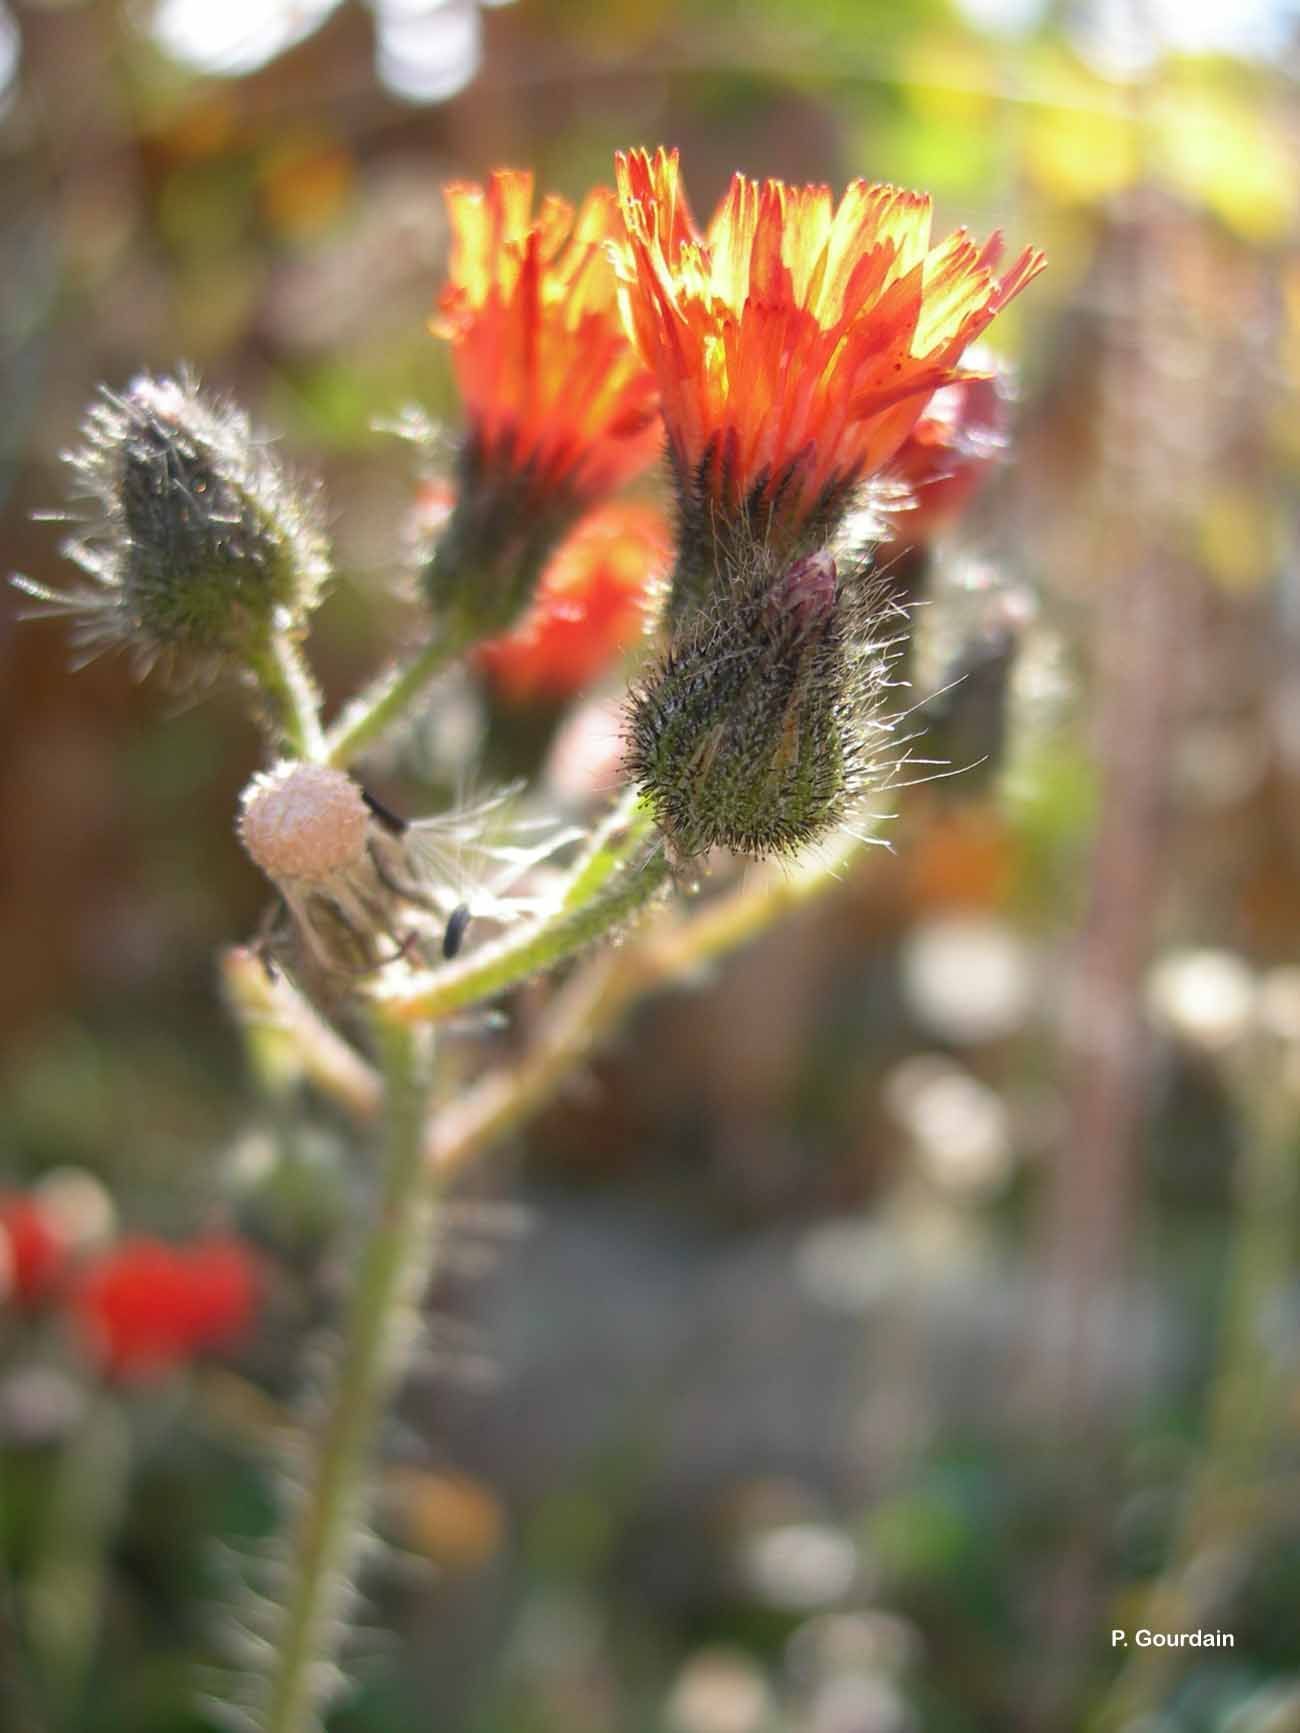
x,y
378,1332
387,701
286,1039
620,833
291,696
673,949
533,949
670,951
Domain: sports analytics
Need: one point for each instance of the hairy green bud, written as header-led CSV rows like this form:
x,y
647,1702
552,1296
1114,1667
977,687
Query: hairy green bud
x,y
713,536
761,724
197,546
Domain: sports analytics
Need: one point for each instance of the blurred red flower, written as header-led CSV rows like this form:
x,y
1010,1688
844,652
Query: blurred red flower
x,y
32,1251
589,606
797,341
224,1288
146,1307
553,386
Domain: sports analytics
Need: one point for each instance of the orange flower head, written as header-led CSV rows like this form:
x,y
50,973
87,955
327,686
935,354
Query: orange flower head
x,y
948,454
554,389
796,341
589,606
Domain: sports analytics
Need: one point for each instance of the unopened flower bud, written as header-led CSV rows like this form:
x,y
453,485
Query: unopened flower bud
x,y
196,544
757,728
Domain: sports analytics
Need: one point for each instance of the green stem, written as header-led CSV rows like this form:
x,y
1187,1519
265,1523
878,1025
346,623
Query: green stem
x,y
668,951
624,829
378,1332
1245,1391
18,1712
65,1599
291,695
536,947
387,701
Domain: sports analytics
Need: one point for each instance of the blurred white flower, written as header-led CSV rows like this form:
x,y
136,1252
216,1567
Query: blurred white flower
x,y
238,36
78,1206
859,1703
849,1265
958,1125
1206,997
425,50
39,1405
967,978
831,1644
719,1691
800,1564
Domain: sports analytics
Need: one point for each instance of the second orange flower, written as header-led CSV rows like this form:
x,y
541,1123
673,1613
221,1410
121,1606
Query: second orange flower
x,y
796,341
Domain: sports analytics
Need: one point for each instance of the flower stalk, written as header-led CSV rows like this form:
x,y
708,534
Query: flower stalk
x,y
290,696
369,717
590,1005
536,948
379,1333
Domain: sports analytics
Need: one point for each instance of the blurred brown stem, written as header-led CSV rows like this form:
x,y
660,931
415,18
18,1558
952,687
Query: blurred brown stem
x,y
1144,630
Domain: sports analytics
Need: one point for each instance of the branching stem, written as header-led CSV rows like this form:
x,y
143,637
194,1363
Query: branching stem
x,y
535,948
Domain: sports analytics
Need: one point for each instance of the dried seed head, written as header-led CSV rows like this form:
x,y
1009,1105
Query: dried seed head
x,y
304,821
337,867
364,888
196,544
759,727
